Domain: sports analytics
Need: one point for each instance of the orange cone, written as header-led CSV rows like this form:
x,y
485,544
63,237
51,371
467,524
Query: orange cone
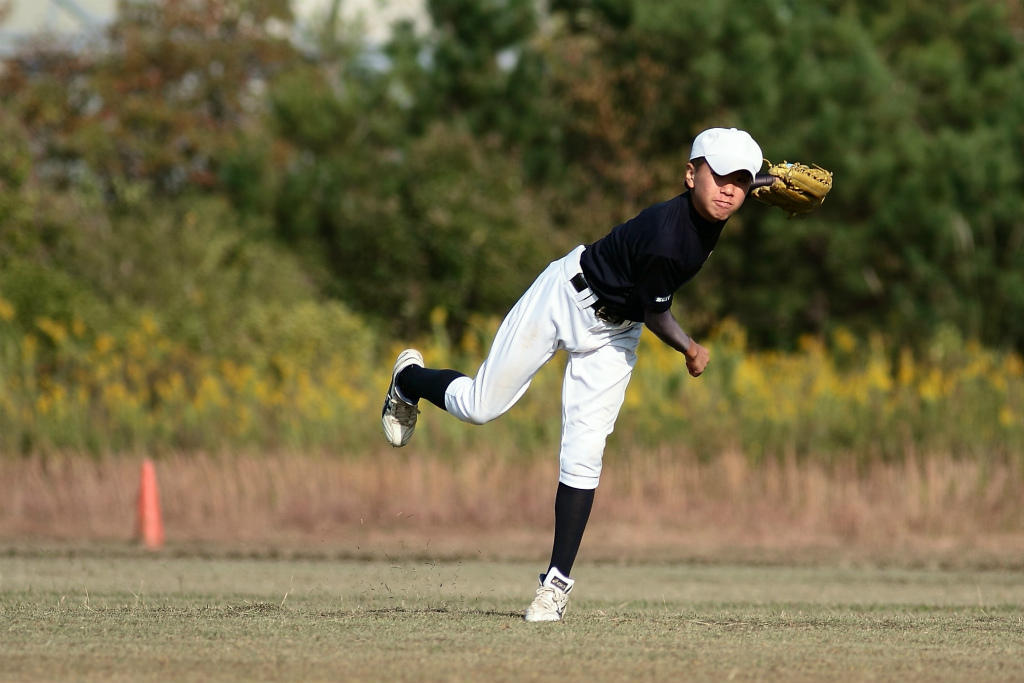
x,y
150,524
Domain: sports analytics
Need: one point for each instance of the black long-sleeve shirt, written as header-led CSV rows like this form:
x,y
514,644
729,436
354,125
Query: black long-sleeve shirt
x,y
640,264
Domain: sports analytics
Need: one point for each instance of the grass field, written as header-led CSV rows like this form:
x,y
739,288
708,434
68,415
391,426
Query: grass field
x,y
121,616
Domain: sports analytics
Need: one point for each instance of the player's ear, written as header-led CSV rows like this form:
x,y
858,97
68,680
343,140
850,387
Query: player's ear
x,y
691,172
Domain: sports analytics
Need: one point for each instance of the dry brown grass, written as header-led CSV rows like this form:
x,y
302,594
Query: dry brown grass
x,y
666,504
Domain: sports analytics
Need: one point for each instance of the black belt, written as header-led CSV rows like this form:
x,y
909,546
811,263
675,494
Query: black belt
x,y
600,310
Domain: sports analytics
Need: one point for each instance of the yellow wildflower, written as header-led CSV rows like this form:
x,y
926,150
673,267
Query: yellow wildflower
x,y
6,310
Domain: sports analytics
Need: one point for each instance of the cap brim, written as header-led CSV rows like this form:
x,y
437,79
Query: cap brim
x,y
726,164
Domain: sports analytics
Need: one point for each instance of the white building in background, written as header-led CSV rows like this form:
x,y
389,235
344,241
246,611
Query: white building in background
x,y
79,21
377,16
69,21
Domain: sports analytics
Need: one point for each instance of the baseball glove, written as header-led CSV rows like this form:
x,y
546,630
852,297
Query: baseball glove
x,y
796,189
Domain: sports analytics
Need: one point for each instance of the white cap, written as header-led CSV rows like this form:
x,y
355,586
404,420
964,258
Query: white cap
x,y
728,150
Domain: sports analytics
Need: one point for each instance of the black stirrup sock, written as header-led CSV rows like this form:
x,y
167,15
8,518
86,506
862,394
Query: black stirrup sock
x,y
416,382
572,510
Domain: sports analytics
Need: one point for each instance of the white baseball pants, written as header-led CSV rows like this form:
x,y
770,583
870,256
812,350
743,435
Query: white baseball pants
x,y
552,315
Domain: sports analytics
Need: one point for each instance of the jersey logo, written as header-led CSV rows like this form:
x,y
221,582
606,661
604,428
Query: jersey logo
x,y
662,299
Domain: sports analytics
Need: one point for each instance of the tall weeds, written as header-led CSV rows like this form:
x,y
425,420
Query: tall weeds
x,y
646,499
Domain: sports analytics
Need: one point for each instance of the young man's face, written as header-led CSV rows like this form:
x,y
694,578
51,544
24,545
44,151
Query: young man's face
x,y
716,197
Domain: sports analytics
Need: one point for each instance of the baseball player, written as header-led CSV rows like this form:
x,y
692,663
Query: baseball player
x,y
592,303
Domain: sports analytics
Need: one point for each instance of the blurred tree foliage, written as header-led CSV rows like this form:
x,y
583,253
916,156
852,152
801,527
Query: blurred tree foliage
x,y
445,167
111,202
916,107
407,184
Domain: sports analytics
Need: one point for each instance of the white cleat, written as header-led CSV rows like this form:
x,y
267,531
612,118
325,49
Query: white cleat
x,y
398,415
552,597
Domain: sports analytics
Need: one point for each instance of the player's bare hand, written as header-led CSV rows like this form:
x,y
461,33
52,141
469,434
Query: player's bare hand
x,y
697,358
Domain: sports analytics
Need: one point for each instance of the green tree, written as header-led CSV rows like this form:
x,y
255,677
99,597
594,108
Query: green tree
x,y
444,220
161,103
407,186
913,105
446,168
475,63
117,167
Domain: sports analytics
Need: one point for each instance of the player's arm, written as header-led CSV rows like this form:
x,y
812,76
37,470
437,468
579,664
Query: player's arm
x,y
667,329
